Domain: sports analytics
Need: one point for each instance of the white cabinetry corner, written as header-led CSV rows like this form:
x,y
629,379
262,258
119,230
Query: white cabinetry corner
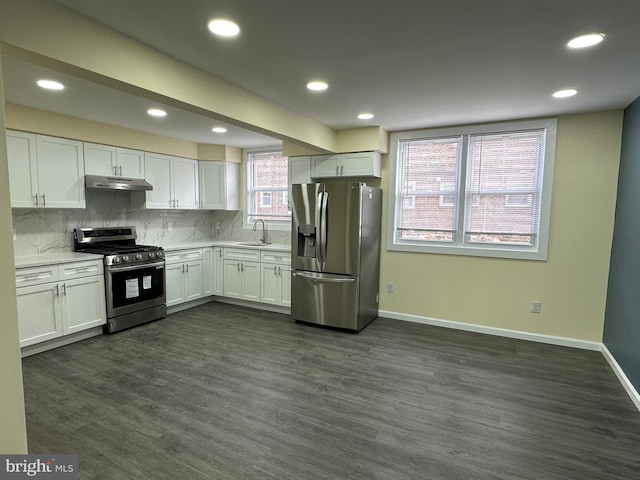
x,y
113,161
219,188
184,276
174,181
57,300
357,164
45,172
208,273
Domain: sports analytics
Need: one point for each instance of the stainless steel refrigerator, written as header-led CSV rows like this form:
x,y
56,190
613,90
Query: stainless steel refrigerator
x,y
335,254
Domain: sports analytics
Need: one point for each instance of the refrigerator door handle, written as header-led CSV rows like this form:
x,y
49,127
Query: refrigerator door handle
x,y
323,279
322,216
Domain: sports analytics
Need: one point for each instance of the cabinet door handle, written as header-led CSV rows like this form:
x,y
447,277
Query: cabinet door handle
x,y
177,203
64,289
57,290
337,171
341,170
242,266
44,200
279,271
115,170
275,271
187,268
120,169
183,268
238,265
36,196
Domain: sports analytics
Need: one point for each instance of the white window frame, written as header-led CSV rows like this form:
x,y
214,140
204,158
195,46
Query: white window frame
x,y
536,252
248,217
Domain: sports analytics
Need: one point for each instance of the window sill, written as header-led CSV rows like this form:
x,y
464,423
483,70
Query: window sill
x,y
514,253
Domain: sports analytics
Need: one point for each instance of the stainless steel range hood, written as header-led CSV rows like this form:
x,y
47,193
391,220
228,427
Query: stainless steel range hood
x,y
116,183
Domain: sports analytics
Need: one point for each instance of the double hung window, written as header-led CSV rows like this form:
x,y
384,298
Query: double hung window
x,y
483,190
266,188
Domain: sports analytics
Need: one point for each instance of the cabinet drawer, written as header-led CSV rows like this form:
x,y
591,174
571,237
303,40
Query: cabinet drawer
x,y
183,256
36,275
81,269
279,258
242,254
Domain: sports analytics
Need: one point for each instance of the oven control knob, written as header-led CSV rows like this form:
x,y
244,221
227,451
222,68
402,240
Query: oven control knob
x,y
125,258
138,256
160,254
116,260
152,255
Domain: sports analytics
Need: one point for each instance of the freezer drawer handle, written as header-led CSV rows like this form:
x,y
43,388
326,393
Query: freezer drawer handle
x,y
324,280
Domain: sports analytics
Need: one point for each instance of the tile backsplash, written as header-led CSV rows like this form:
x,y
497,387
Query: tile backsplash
x,y
39,231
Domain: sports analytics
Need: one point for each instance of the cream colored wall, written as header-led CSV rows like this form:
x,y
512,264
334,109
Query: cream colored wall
x,y
350,140
571,284
46,33
362,139
219,152
13,436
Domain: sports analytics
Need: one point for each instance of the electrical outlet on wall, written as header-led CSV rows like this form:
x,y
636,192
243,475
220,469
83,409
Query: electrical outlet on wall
x,y
389,287
536,305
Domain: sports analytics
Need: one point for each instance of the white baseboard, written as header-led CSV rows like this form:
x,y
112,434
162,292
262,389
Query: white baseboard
x,y
533,337
624,380
500,332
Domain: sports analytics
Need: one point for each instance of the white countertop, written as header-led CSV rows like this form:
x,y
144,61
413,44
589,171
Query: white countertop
x,y
277,247
53,258
24,261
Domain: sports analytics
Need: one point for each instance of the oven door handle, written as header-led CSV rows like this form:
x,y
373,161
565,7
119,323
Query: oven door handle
x,y
135,267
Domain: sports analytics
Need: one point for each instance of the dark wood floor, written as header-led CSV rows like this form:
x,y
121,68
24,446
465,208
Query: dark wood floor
x,y
225,392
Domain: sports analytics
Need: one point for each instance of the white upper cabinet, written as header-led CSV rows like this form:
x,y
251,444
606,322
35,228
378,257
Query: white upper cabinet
x,y
174,181
23,169
158,173
299,172
113,161
45,172
358,164
185,183
130,163
219,185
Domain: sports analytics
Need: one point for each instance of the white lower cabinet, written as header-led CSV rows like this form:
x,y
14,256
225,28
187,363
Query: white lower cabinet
x,y
184,276
218,271
276,278
242,274
57,300
208,274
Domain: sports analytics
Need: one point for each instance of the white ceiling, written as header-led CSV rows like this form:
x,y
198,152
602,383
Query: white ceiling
x,y
413,63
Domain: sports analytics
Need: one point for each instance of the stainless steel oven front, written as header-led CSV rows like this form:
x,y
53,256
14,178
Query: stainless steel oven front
x,y
135,294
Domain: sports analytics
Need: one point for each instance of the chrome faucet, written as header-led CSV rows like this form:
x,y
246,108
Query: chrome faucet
x,y
264,230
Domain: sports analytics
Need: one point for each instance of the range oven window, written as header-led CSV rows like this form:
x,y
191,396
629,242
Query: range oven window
x,y
129,287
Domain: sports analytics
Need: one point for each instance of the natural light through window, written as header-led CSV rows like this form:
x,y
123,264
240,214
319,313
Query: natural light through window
x,y
481,190
266,188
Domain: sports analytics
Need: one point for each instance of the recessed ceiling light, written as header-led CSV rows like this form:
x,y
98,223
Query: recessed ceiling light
x,y
317,85
570,92
365,116
156,112
219,129
584,41
224,28
50,84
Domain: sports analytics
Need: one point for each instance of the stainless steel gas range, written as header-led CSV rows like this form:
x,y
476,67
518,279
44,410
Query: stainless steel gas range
x,y
134,275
